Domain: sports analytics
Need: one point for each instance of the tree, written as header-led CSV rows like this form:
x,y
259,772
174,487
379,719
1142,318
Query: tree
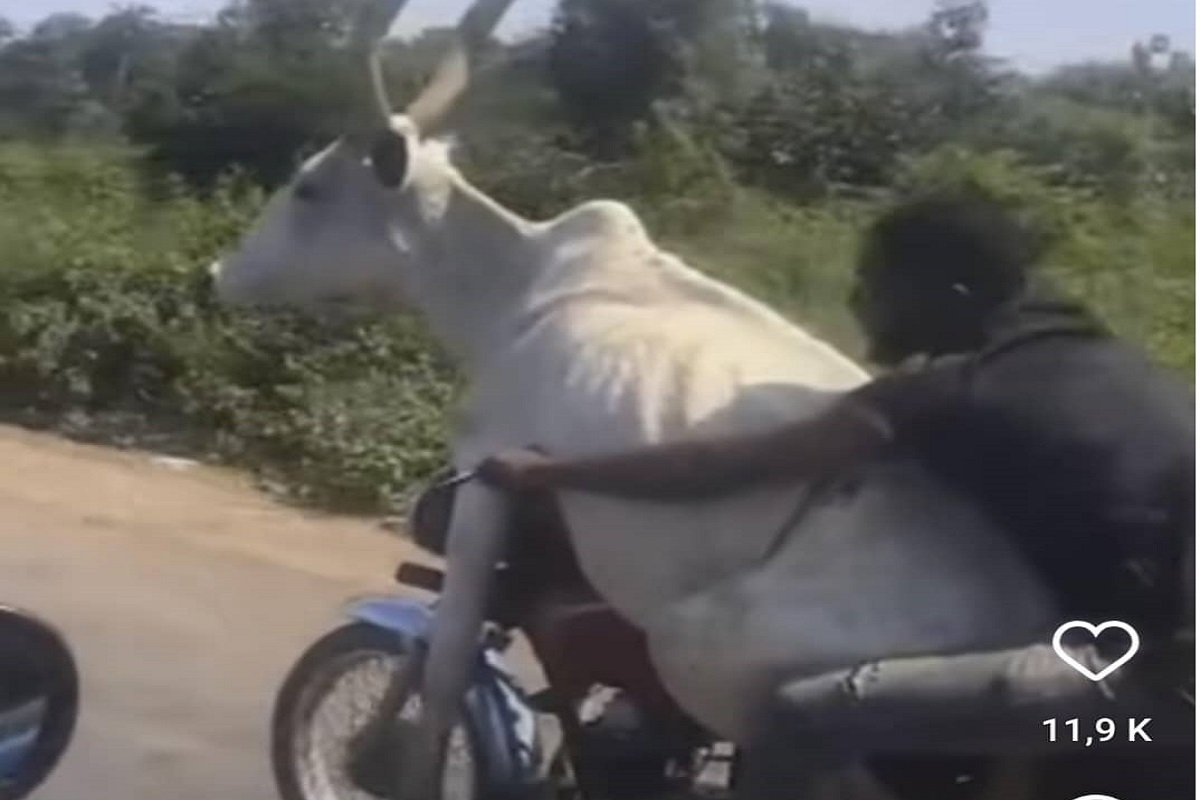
x,y
610,60
266,83
720,49
41,90
61,28
793,43
963,83
956,28
1155,79
293,28
124,47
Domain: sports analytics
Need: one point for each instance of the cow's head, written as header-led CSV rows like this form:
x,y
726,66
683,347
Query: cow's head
x,y
340,236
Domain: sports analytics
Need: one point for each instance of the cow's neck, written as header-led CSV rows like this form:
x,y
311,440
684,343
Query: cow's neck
x,y
477,270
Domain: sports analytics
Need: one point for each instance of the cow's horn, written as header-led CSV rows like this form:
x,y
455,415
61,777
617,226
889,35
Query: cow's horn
x,y
374,20
454,72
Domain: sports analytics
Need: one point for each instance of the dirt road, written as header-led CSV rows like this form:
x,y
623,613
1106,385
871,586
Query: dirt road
x,y
186,594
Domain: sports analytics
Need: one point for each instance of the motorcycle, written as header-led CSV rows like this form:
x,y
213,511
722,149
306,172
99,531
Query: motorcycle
x,y
638,744
39,701
621,735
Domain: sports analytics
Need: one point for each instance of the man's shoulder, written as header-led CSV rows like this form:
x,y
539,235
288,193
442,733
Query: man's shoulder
x,y
1101,383
1067,355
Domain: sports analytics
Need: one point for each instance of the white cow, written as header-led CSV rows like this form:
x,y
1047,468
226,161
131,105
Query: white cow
x,y
581,335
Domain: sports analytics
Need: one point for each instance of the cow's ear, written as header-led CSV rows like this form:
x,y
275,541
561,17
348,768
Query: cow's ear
x,y
389,158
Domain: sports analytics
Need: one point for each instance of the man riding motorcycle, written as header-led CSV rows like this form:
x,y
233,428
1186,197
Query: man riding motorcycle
x,y
1070,437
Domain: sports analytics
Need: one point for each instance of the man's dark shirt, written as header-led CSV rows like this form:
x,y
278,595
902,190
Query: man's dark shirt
x,y
1075,442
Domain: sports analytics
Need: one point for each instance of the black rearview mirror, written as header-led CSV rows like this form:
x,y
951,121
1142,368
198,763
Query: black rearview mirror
x,y
39,701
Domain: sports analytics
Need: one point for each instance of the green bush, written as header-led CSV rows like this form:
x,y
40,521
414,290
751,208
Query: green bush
x,y
107,309
754,140
1133,262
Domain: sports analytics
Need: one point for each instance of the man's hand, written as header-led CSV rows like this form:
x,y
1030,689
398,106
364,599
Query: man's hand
x,y
517,470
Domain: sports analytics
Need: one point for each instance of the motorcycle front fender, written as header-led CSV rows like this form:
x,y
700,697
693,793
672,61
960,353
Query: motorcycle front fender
x,y
501,720
411,620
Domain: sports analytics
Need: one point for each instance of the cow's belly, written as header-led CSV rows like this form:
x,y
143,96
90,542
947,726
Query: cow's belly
x,y
884,574
644,557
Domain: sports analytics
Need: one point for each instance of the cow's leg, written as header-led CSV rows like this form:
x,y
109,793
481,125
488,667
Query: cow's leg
x,y
475,544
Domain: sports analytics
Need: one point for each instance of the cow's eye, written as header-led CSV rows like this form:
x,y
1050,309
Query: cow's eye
x,y
389,158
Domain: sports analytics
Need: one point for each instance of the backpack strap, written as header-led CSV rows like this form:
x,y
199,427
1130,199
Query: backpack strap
x,y
1049,320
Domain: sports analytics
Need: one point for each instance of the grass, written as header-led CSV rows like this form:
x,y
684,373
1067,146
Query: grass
x,y
106,312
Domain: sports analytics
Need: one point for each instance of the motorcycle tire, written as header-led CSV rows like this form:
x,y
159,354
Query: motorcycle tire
x,y
312,680
23,632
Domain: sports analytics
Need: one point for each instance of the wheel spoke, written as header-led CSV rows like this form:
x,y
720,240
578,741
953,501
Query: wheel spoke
x,y
333,710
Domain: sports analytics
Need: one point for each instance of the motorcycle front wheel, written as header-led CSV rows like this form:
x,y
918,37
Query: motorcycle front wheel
x,y
330,696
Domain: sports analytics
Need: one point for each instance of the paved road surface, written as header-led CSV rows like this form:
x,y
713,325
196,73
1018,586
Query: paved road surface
x,y
187,596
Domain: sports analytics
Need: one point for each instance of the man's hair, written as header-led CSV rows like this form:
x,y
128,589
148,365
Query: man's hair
x,y
961,239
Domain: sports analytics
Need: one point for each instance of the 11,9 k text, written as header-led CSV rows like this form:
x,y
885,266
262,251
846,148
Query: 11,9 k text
x,y
1104,730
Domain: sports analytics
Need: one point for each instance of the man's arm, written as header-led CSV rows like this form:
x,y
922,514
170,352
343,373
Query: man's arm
x,y
855,428
833,441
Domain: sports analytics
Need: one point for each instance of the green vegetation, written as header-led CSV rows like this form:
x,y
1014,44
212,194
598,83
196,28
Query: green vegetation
x,y
755,142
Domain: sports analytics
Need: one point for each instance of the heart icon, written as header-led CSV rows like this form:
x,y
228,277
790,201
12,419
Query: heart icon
x,y
1134,642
